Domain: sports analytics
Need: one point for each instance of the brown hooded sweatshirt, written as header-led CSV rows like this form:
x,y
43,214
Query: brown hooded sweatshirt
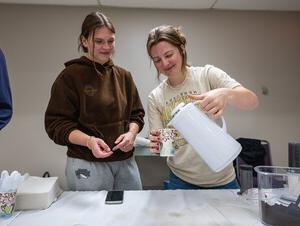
x,y
100,105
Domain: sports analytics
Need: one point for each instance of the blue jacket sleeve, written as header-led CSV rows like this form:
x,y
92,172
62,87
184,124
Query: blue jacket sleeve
x,y
5,93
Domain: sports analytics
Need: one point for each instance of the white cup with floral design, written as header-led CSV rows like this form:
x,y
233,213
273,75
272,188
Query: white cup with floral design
x,y
7,203
167,142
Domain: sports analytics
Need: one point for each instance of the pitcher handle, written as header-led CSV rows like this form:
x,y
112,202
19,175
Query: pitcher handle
x,y
224,126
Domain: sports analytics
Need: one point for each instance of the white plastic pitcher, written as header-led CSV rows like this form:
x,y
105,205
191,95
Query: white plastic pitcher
x,y
215,146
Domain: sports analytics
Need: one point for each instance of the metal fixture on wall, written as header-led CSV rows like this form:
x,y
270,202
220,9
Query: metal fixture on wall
x,y
264,90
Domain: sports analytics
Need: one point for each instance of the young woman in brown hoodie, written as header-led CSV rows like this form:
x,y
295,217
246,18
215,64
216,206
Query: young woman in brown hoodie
x,y
95,110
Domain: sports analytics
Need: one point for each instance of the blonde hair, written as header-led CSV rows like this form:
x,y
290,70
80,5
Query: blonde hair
x,y
172,35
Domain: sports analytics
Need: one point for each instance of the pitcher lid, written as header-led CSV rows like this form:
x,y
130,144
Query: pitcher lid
x,y
177,109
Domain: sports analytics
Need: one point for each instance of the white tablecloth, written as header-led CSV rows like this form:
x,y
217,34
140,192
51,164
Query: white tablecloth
x,y
146,208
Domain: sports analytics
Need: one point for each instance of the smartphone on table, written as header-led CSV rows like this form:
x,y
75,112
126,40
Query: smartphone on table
x,y
114,197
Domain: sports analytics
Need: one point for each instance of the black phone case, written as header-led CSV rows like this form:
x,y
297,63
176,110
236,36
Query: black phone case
x,y
114,197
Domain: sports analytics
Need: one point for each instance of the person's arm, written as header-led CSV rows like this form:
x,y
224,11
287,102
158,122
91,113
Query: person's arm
x,y
215,101
98,147
126,140
224,91
61,120
5,94
137,112
242,98
61,116
134,128
155,124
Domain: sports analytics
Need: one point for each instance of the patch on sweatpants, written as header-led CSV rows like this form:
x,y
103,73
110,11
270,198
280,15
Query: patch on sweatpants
x,y
82,173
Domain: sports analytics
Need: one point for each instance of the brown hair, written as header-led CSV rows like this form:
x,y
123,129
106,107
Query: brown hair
x,y
172,35
91,22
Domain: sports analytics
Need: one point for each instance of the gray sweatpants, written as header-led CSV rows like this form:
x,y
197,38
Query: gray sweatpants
x,y
83,175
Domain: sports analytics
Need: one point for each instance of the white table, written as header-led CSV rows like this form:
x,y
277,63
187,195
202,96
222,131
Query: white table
x,y
146,208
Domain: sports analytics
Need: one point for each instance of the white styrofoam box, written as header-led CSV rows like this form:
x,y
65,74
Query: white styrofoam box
x,y
37,193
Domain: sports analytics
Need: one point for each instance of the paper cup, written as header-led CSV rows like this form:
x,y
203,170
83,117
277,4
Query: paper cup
x,y
167,138
7,203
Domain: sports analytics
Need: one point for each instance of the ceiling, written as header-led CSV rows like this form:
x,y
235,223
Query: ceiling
x,y
274,5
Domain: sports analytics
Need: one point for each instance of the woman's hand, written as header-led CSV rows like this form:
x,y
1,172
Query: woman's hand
x,y
98,147
154,141
125,142
213,102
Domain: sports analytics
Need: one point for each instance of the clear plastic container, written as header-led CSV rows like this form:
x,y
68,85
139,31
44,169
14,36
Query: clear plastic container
x,y
279,195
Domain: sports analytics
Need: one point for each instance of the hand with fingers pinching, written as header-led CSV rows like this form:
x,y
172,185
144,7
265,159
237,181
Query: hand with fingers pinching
x,y
155,141
213,102
125,142
98,147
